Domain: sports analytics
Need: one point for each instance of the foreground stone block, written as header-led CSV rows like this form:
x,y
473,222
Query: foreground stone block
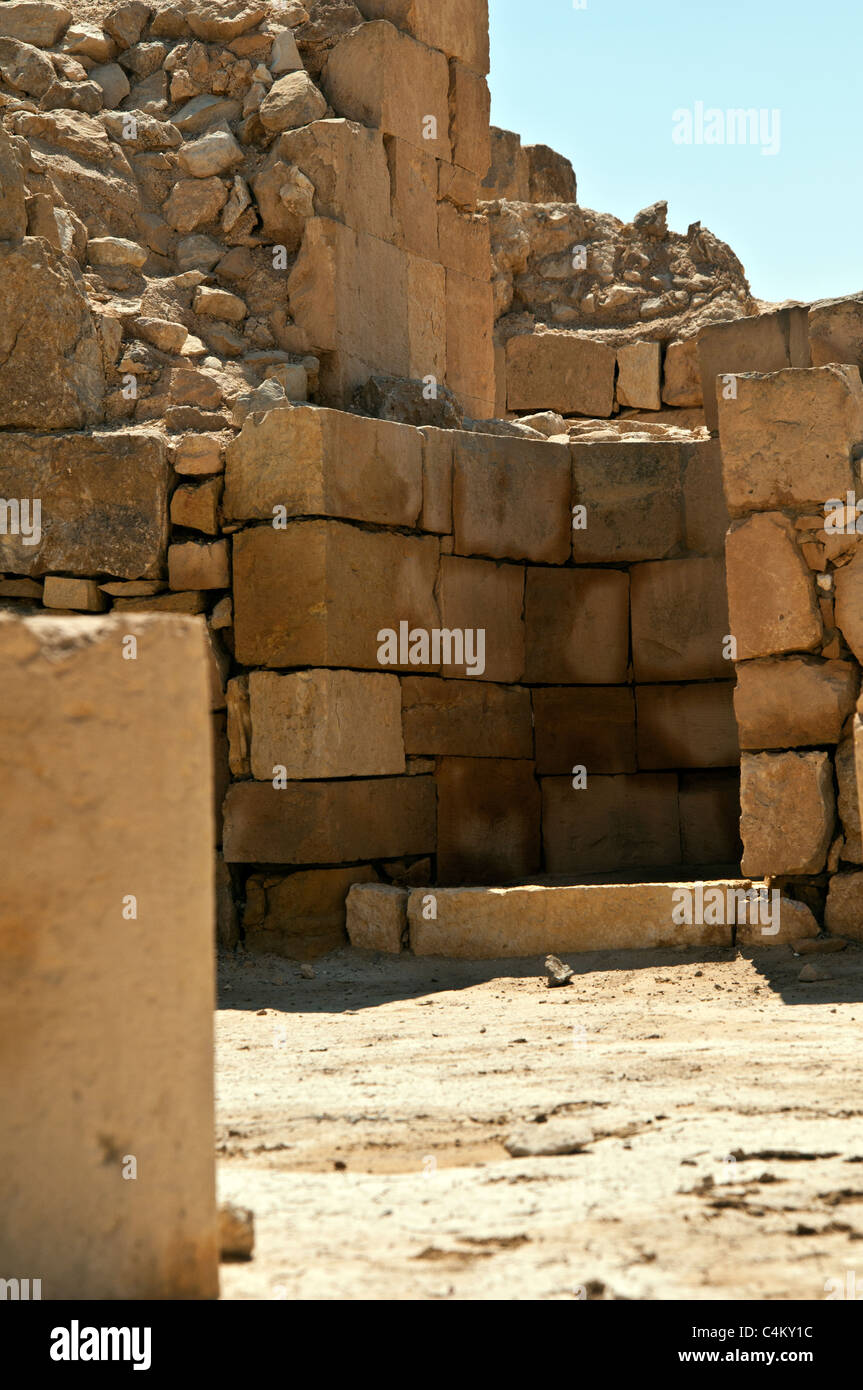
x,y
323,616
793,702
577,626
787,439
477,595
325,724
314,462
681,376
347,165
377,917
771,592
459,30
325,822
679,620
589,726
104,503
494,923
101,999
836,331
844,911
639,367
511,498
488,820
686,726
300,916
710,817
560,371
633,500
465,718
759,343
469,345
612,824
788,812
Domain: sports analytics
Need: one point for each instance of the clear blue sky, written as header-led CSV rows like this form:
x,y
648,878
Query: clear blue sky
x,y
601,85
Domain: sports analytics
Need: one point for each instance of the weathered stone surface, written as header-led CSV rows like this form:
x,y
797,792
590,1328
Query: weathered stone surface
x,y
461,718
469,110
560,371
84,595
51,375
796,924
639,374
319,724
385,79
511,498
686,726
844,910
324,822
787,438
509,174
488,820
849,801
13,206
462,241
551,177
90,171
302,915
848,583
469,346
577,626
459,30
633,498
788,812
107,1005
590,726
214,22
198,455
293,100
489,924
214,153
438,450
194,202
113,82
34,21
795,701
681,375
836,331
679,620
771,593
192,565
413,181
704,505
197,508
323,616
477,595
377,917
202,112
347,164
113,521
318,462
762,343
613,823
710,817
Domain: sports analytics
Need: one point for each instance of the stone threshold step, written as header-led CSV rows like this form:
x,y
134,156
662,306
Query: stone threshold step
x,y
535,919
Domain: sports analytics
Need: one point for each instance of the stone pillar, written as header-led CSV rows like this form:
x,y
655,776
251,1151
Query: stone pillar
x,y
106,958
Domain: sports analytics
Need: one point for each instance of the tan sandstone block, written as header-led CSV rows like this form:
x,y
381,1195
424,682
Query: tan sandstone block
x,y
385,79
465,241
787,439
438,450
584,726
301,915
98,1005
318,724
318,462
479,595
633,500
577,626
836,331
560,371
459,30
639,368
469,346
511,498
488,820
83,595
679,620
771,593
794,701
849,603
347,164
426,294
377,917
686,726
788,812
195,566
612,824
461,718
844,911
469,119
346,585
328,822
509,175
704,505
197,508
413,175
681,377
758,343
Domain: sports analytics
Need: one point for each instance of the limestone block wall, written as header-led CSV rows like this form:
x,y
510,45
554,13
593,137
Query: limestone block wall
x,y
468,659
106,958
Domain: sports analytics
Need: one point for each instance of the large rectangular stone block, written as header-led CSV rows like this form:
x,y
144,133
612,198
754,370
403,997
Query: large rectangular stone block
x,y
106,959
469,119
788,812
511,498
458,27
488,820
314,462
103,499
612,824
704,504
479,595
300,915
560,371
639,376
758,343
452,718
686,726
836,331
710,817
577,626
413,192
317,724
347,163
438,450
329,822
771,590
384,78
679,620
318,593
426,289
633,500
584,726
794,701
788,439
464,241
469,345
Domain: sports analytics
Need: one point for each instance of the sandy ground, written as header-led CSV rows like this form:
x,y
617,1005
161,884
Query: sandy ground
x,y
362,1116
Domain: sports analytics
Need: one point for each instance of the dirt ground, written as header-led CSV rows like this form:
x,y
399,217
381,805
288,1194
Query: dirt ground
x,y
362,1116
